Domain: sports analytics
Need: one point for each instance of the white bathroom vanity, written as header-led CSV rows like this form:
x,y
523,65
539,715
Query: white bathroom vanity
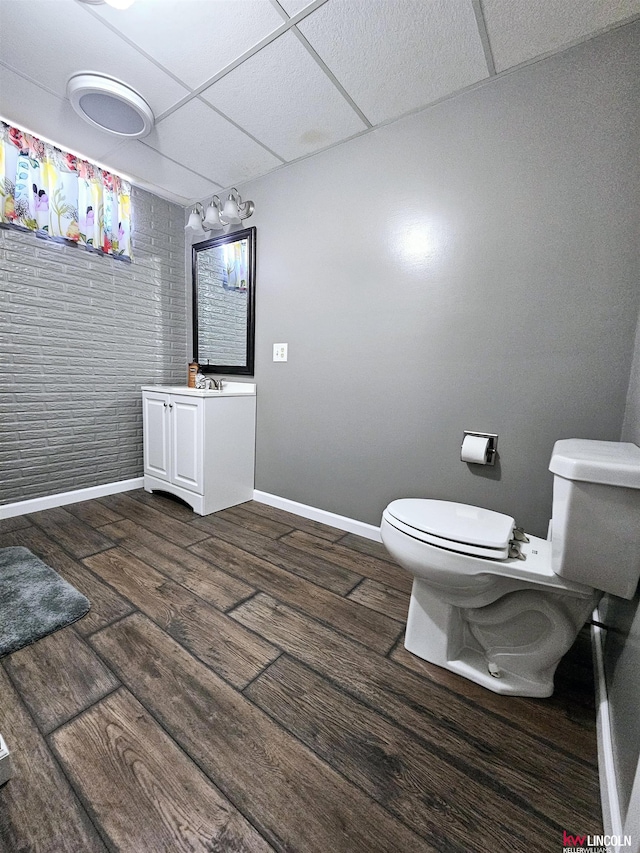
x,y
200,445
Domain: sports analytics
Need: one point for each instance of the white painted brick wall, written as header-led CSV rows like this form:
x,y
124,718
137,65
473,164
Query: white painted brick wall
x,y
79,334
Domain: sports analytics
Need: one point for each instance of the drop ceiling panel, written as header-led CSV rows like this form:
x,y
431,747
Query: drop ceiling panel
x,y
212,146
520,29
194,40
282,97
47,115
395,57
159,174
50,40
391,57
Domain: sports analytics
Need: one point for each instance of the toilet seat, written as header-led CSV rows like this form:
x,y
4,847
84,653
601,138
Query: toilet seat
x,y
456,527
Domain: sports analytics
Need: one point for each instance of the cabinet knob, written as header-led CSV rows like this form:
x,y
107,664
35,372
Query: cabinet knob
x,y
165,405
171,405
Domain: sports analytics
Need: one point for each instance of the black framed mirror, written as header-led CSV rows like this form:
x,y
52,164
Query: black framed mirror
x,y
224,274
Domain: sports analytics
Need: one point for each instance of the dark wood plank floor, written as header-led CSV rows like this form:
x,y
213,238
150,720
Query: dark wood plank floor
x,y
240,684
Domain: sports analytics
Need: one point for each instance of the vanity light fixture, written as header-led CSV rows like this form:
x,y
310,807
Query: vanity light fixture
x,y
217,215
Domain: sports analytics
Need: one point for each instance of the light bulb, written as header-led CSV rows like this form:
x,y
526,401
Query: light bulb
x,y
194,223
212,219
230,212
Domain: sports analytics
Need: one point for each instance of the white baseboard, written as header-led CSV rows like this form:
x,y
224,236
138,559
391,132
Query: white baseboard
x,y
342,522
64,498
611,815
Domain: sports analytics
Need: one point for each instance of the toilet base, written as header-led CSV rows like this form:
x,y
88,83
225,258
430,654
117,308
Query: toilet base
x,y
448,636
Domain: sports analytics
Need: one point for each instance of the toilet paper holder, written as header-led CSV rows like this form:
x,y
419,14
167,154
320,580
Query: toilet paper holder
x,y
492,447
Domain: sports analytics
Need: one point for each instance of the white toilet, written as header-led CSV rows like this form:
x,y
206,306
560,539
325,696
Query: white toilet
x,y
500,607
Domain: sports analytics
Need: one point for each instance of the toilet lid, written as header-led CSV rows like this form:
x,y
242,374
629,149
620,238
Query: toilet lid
x,y
460,527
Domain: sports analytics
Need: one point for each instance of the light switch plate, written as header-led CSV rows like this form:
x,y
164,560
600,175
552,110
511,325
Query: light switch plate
x,y
280,352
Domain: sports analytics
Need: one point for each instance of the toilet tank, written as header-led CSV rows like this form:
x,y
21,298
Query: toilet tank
x,y
595,525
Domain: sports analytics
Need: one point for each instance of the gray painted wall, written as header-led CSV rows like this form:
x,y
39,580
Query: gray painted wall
x,y
474,266
80,334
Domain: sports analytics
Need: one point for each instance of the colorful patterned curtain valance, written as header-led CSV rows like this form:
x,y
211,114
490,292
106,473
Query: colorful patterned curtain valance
x,y
61,196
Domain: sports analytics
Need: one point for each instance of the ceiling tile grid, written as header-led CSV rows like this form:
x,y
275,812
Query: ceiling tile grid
x,y
153,170
396,57
194,39
520,30
210,145
282,97
51,40
292,7
240,86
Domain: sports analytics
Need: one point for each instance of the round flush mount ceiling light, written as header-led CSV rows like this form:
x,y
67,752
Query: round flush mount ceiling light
x,y
110,105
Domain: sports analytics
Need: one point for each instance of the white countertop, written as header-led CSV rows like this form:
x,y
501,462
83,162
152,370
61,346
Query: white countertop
x,y
229,389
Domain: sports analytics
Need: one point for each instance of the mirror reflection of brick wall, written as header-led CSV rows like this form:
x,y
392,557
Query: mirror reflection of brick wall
x,y
222,313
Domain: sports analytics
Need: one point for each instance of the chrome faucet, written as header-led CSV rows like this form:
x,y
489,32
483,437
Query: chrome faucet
x,y
217,384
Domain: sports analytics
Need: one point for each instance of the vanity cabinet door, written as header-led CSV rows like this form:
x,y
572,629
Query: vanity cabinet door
x,y
156,426
187,438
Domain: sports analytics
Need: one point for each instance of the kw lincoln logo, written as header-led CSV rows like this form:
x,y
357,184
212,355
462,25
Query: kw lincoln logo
x,y
593,843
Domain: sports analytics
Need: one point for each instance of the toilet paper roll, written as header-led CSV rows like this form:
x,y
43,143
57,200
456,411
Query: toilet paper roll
x,y
475,449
